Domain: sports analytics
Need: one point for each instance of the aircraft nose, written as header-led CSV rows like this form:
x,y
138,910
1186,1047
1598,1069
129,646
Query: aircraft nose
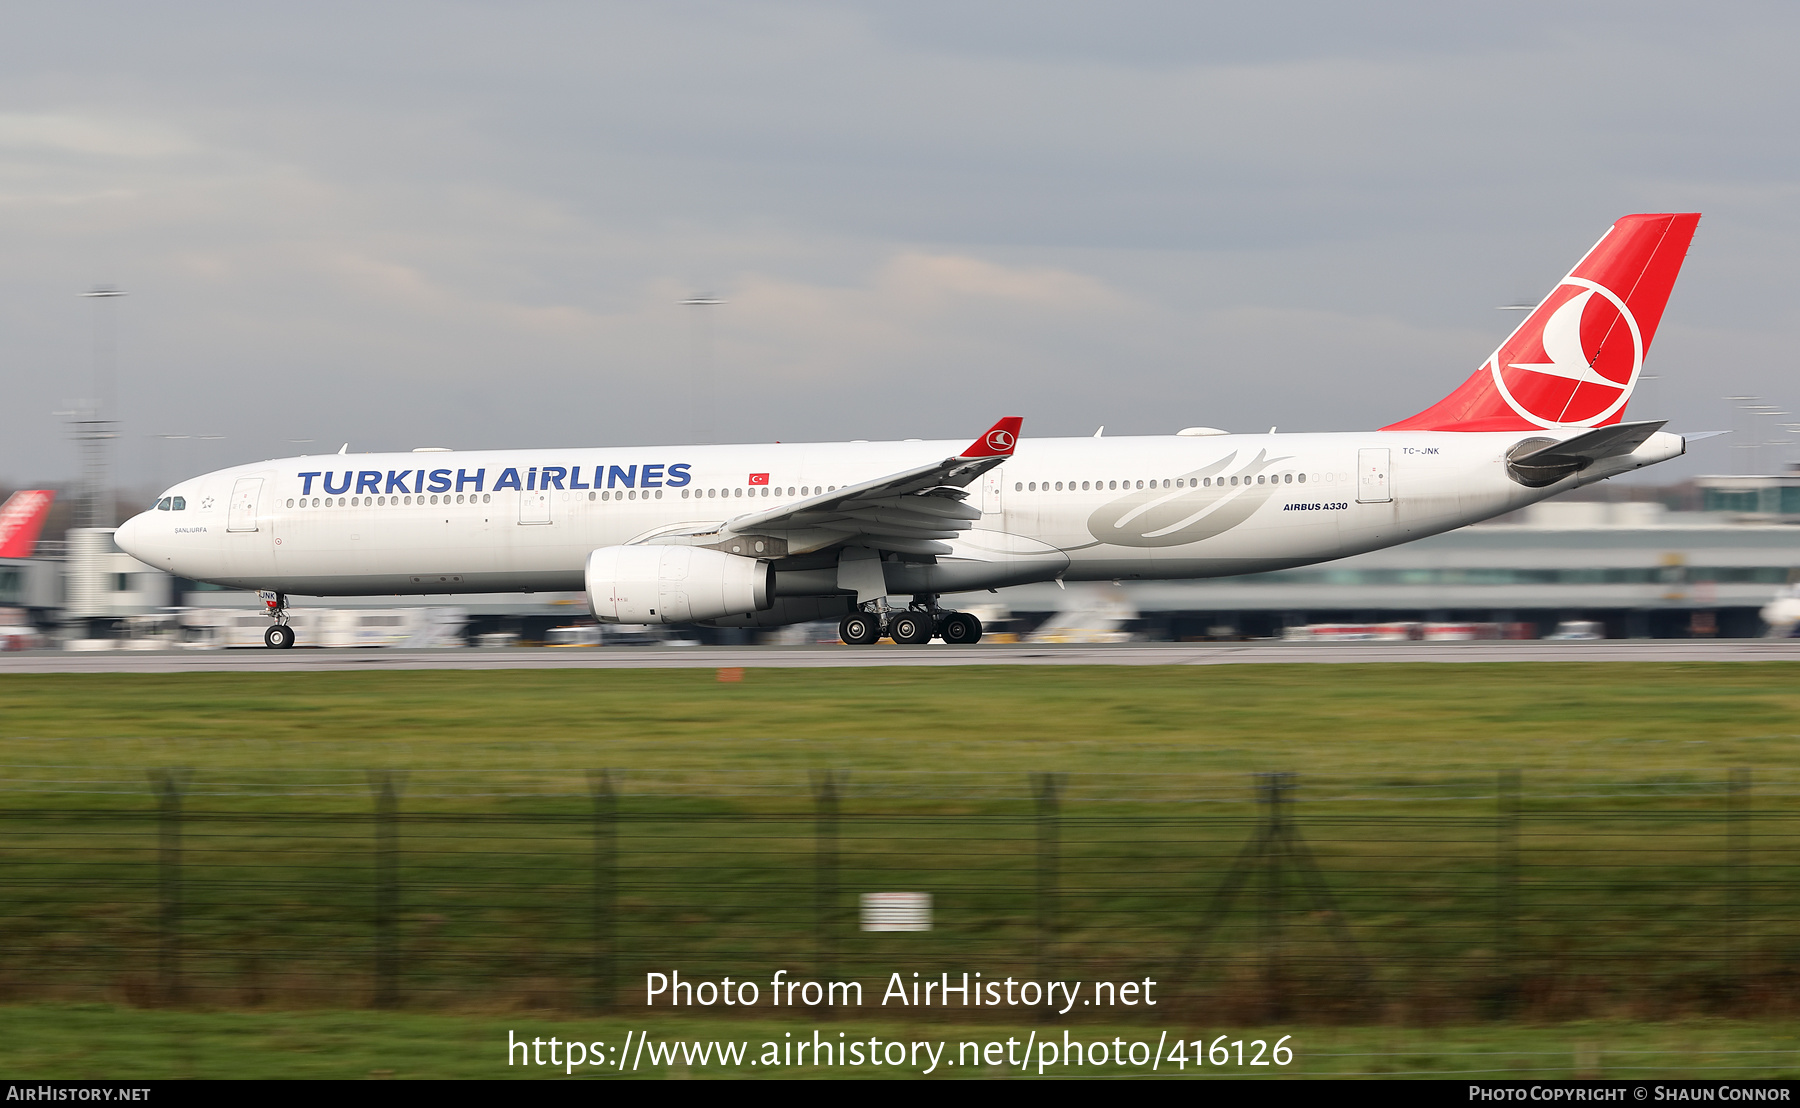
x,y
129,537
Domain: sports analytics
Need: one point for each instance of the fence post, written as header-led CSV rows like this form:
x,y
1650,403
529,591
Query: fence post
x,y
1046,787
825,874
387,889
606,877
1737,858
1275,846
1273,788
1506,889
169,786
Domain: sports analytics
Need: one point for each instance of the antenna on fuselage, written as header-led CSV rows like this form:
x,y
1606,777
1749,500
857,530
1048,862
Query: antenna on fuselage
x,y
344,449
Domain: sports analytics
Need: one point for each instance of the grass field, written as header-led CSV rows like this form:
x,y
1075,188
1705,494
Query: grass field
x,y
1615,719
1631,891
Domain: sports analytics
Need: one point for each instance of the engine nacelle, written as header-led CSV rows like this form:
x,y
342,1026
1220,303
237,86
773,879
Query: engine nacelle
x,y
674,584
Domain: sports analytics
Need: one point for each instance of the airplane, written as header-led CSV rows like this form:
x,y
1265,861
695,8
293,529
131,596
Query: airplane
x,y
761,535
21,519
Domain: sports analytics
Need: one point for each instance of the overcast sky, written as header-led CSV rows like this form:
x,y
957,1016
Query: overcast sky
x,y
471,225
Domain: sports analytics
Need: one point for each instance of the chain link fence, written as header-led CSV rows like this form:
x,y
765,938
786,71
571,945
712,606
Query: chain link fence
x,y
1270,896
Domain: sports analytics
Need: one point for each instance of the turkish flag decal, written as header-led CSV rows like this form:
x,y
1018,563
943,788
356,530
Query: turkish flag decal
x,y
759,478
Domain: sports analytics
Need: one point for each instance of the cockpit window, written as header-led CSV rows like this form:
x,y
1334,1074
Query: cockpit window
x,y
180,504
163,504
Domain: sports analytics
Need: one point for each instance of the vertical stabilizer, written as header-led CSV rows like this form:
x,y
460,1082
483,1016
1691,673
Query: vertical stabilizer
x,y
21,520
1576,359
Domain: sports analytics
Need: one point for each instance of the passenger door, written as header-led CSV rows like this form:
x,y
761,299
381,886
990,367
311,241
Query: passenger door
x,y
991,483
534,507
244,497
1373,479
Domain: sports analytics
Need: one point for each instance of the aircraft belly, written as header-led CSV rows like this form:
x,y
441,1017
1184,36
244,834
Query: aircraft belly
x,y
422,552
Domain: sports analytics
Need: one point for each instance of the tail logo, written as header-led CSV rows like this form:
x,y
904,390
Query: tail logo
x,y
1002,441
1575,362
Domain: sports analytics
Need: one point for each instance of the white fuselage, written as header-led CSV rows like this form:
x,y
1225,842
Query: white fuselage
x,y
1080,509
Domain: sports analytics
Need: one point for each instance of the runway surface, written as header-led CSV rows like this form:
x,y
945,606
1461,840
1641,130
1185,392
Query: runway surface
x,y
706,657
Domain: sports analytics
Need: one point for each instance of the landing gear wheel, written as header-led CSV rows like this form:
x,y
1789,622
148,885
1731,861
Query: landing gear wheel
x,y
858,629
961,629
279,636
911,628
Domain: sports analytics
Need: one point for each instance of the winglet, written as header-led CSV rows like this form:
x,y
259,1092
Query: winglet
x,y
998,442
21,518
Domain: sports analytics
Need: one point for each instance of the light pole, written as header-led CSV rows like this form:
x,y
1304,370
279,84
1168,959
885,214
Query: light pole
x,y
700,358
94,428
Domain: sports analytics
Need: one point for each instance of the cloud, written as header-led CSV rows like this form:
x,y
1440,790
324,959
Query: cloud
x,y
475,225
95,135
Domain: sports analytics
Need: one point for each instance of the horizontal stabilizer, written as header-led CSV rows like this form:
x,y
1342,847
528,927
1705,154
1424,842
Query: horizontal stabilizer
x,y
1538,463
1602,442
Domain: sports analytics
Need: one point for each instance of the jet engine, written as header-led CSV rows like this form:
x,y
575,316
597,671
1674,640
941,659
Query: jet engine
x,y
674,584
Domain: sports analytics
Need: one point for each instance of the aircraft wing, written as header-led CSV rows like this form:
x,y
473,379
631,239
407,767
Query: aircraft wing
x,y
908,511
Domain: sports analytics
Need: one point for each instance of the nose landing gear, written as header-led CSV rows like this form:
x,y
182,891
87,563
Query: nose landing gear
x,y
279,635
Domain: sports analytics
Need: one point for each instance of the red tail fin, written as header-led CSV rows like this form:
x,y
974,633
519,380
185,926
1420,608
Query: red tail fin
x,y
21,518
1575,360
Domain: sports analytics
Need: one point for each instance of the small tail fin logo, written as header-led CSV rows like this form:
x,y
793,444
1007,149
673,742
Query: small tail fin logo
x,y
21,519
1576,359
999,440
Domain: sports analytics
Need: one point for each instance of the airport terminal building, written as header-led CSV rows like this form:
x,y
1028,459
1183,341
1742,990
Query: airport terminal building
x,y
1637,569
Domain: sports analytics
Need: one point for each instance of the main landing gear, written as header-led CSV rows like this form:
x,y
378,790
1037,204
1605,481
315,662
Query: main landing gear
x,y
859,629
279,636
919,623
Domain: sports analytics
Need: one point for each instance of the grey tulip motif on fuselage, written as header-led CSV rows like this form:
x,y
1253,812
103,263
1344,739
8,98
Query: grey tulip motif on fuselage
x,y
1175,517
